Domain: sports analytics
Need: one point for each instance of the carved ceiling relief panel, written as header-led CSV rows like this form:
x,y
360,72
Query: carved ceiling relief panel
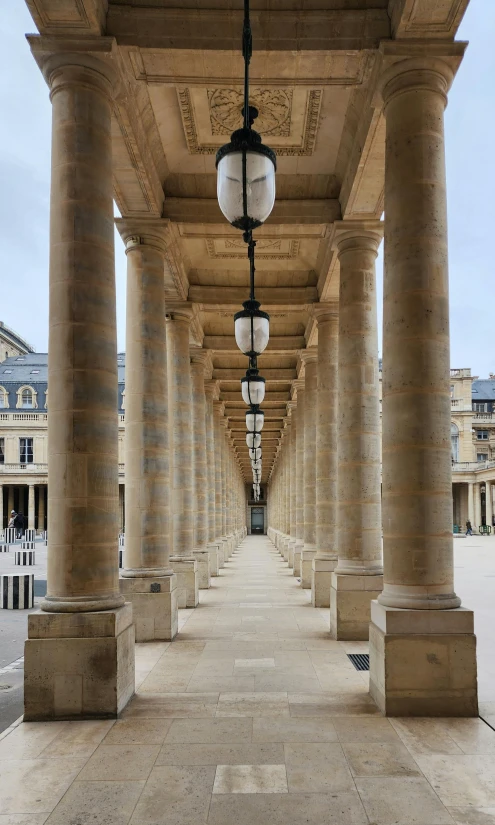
x,y
288,118
278,249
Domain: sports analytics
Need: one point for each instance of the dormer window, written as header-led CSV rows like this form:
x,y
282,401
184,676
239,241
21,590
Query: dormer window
x,y
26,398
4,398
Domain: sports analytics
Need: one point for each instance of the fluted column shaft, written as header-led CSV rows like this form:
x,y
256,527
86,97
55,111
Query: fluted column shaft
x,y
31,506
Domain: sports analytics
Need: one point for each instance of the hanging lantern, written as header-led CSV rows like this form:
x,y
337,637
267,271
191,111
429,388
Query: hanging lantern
x,y
255,419
255,454
252,329
253,388
253,440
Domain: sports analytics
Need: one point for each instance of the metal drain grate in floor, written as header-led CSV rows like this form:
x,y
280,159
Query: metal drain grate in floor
x,y
361,661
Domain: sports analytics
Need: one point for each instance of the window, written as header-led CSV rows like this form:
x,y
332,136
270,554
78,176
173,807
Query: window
x,y
481,406
27,400
482,457
482,435
34,372
2,450
26,450
4,398
20,358
8,372
452,388
454,440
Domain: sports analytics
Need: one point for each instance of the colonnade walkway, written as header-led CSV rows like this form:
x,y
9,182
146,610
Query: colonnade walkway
x,y
252,715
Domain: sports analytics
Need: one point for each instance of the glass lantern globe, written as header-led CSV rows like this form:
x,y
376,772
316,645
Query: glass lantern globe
x,y
246,179
252,329
255,420
253,388
255,453
253,440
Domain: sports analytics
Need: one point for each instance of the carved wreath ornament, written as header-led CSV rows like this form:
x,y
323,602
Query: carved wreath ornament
x,y
274,107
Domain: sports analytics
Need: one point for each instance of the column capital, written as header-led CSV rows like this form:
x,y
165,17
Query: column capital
x,y
212,389
355,235
298,386
136,232
428,65
325,311
76,60
201,358
309,356
183,311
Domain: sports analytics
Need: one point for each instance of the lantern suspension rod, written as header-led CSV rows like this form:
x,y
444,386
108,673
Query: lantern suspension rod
x,y
247,50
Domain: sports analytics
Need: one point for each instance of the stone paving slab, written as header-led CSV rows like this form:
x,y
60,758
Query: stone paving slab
x,y
253,714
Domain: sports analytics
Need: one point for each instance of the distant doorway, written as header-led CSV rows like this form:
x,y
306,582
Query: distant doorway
x,y
257,520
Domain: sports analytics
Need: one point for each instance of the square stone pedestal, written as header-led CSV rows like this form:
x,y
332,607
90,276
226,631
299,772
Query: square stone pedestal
x,y
423,662
186,571
214,561
350,600
290,559
203,559
321,578
78,665
297,558
307,556
154,607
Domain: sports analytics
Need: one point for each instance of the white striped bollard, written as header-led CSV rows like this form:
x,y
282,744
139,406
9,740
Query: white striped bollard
x,y
17,591
24,558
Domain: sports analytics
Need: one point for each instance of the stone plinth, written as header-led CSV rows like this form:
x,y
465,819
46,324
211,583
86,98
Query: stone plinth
x,y
213,551
307,556
350,599
154,605
203,561
297,558
187,581
78,665
321,578
423,662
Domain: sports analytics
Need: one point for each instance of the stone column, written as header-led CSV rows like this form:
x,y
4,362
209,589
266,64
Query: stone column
x,y
31,507
293,494
422,646
211,390
180,411
1,509
148,580
225,537
81,666
310,399
218,407
41,507
357,579
477,506
326,454
199,363
299,385
10,501
488,504
471,503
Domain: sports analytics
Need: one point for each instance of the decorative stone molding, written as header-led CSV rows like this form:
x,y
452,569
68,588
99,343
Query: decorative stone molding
x,y
276,249
276,108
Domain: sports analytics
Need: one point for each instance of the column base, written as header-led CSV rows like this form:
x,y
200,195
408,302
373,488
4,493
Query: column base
x,y
154,607
290,560
307,555
186,571
225,548
297,558
321,578
203,559
78,665
213,553
423,662
350,599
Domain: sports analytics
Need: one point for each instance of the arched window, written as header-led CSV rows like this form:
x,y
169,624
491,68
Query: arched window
x,y
26,398
454,440
4,398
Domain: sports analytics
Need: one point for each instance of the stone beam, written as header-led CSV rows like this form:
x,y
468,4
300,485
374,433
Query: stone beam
x,y
76,17
218,29
270,397
274,296
277,343
293,212
274,376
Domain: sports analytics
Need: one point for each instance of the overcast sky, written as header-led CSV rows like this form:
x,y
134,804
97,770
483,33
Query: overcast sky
x,y
25,177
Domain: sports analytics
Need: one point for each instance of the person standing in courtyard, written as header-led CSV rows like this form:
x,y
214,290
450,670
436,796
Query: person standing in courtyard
x,y
469,528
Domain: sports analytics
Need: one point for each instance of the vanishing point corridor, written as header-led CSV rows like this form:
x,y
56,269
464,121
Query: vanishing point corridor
x,y
252,715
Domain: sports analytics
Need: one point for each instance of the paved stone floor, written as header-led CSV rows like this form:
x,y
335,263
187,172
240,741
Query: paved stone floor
x,y
253,715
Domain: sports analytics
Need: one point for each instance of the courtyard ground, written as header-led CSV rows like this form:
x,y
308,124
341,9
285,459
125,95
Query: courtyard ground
x,y
254,715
